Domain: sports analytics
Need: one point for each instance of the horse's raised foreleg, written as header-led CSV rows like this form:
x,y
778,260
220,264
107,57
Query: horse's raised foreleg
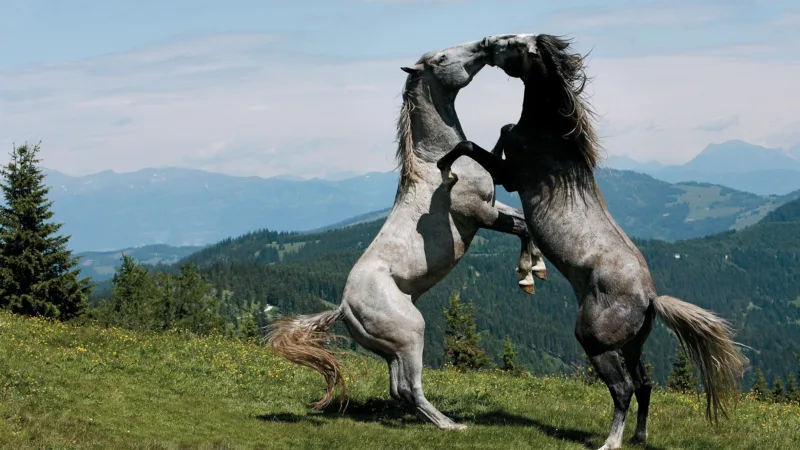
x,y
498,147
492,163
512,221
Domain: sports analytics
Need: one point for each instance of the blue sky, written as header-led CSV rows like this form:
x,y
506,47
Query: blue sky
x,y
310,88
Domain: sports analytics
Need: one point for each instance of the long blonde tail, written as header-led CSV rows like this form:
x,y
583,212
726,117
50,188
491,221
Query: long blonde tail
x,y
708,341
301,340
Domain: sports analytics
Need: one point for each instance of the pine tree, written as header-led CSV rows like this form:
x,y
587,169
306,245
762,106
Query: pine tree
x,y
759,388
196,305
681,377
792,394
777,391
248,329
461,339
38,274
509,356
134,303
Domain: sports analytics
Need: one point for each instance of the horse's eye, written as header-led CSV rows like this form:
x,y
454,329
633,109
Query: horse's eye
x,y
441,59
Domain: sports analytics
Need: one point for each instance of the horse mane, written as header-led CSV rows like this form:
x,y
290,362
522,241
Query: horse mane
x,y
406,158
571,81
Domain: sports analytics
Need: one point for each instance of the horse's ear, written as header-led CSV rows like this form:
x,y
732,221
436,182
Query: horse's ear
x,y
416,68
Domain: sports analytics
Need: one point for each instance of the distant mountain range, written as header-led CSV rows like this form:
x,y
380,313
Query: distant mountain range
x,y
179,207
736,164
184,207
645,208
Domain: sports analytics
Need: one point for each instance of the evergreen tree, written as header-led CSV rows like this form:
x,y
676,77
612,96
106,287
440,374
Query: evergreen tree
x,y
461,339
509,356
681,377
778,391
792,394
648,369
38,274
134,300
248,329
196,303
759,388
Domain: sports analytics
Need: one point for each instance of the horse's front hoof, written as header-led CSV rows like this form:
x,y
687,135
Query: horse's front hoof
x,y
449,179
527,285
540,270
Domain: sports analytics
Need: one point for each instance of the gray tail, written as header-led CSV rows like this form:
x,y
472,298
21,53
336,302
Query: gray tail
x,y
302,339
708,341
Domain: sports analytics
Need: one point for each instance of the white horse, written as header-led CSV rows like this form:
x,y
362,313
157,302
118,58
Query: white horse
x,y
427,232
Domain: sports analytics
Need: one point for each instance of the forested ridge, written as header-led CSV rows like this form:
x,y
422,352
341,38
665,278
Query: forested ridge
x,y
751,277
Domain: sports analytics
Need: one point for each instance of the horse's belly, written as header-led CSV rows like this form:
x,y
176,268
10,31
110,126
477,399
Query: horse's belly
x,y
427,259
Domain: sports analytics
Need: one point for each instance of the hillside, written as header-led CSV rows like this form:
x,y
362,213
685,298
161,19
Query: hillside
x,y
751,277
181,207
101,265
789,212
735,163
653,209
65,386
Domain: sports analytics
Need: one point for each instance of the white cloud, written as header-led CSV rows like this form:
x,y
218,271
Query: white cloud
x,y
234,104
788,20
641,15
684,96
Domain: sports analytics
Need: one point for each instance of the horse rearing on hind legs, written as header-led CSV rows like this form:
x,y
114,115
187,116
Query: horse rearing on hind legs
x,y
551,154
427,232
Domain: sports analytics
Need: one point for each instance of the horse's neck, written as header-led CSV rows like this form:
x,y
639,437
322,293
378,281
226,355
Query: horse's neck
x,y
536,116
552,176
435,128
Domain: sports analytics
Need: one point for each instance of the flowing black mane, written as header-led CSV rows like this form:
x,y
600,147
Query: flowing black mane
x,y
567,71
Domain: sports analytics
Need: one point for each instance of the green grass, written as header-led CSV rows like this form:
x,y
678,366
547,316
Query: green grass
x,y
64,386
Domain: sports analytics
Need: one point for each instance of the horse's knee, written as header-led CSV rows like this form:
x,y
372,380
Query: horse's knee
x,y
643,386
622,392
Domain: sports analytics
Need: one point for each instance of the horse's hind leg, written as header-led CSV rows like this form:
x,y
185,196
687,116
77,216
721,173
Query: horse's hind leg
x,y
609,368
642,389
410,386
383,319
632,351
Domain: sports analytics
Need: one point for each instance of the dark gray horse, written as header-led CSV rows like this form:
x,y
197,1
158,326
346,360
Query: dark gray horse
x,y
551,154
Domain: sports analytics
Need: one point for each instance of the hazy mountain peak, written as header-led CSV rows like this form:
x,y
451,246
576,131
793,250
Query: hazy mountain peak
x,y
736,156
625,162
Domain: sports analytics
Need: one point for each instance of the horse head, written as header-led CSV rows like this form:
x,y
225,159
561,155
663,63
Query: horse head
x,y
537,58
555,79
453,68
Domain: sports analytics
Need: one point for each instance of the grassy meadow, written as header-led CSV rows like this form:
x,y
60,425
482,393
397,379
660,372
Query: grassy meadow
x,y
69,386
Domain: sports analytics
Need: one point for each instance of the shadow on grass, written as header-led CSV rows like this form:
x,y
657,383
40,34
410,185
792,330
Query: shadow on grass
x,y
393,414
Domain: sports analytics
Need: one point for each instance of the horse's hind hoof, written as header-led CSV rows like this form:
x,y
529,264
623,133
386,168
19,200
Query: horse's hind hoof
x,y
455,426
540,274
